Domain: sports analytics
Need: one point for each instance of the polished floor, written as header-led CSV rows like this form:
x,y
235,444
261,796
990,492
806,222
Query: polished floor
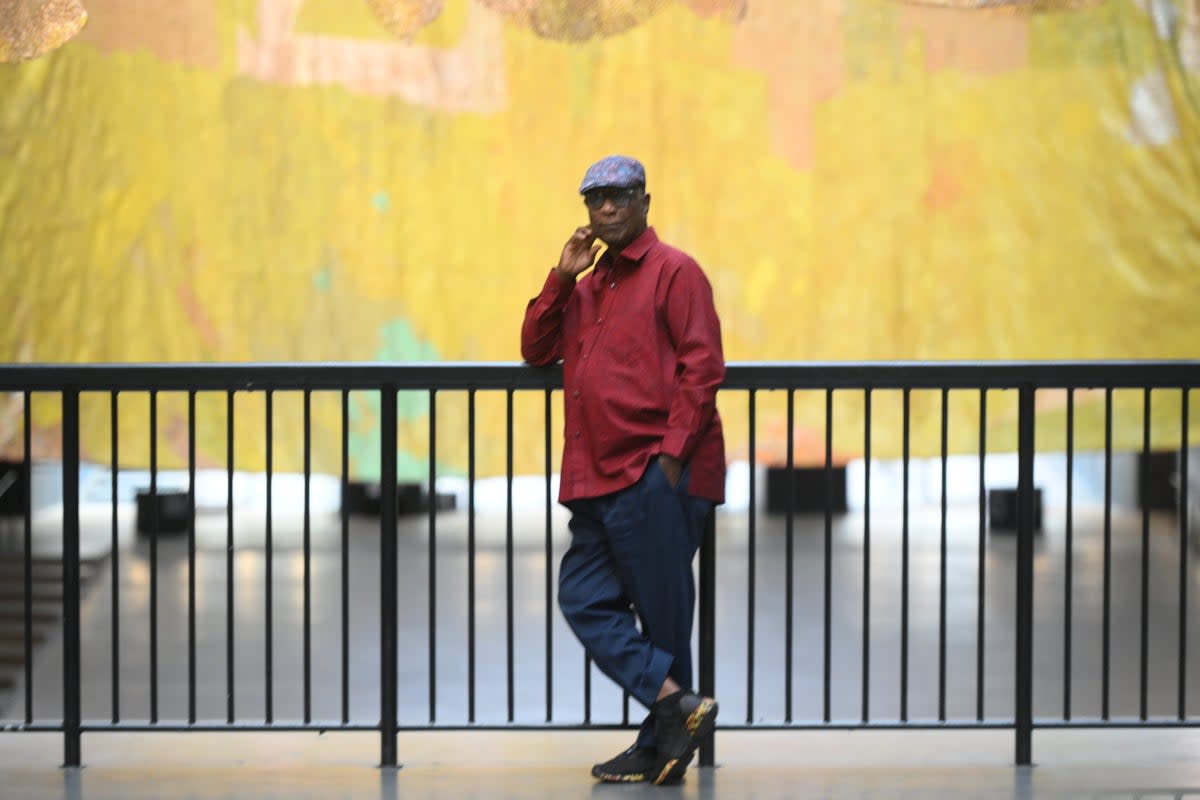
x,y
541,766
866,679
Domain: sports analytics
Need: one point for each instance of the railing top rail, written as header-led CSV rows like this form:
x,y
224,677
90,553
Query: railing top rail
x,y
330,376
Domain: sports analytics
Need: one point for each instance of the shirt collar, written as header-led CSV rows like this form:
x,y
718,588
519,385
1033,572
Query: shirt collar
x,y
634,251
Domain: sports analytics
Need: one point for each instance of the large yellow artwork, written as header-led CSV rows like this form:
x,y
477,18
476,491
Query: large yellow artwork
x,y
389,180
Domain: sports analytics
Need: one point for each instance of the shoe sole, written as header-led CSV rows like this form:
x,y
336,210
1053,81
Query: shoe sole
x,y
634,777
700,724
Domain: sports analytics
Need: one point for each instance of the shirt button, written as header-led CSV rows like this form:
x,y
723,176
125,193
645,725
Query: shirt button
x,y
599,320
578,434
575,393
585,355
612,285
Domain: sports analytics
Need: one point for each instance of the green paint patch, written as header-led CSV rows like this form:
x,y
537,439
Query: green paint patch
x,y
323,280
381,201
397,342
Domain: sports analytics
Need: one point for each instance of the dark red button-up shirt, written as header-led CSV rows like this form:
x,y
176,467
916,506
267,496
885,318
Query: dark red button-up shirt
x,y
640,344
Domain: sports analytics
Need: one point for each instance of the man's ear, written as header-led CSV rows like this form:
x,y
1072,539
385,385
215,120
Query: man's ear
x,y
646,200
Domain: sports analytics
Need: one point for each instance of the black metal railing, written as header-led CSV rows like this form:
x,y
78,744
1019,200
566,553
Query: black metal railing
x,y
824,381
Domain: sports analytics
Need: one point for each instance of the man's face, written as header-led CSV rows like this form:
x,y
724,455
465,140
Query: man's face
x,y
618,216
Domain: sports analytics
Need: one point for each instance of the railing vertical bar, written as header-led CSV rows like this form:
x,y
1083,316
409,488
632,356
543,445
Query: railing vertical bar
x,y
625,708
154,534
345,565
471,555
229,466
549,565
70,577
708,626
789,591
1144,483
191,546
1107,616
115,556
1184,562
268,612
27,468
751,558
866,566
906,437
432,511
942,559
828,602
508,552
1023,716
1070,555
587,689
307,556
980,600
388,569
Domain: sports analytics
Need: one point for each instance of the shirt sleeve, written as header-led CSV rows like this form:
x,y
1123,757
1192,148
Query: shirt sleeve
x,y
695,330
541,333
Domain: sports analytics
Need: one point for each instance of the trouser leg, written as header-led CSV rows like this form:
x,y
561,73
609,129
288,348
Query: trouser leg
x,y
630,558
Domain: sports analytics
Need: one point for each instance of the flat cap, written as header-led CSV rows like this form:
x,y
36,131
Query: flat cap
x,y
618,172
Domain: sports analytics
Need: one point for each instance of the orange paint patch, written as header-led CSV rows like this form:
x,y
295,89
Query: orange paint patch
x,y
198,318
726,9
951,174
799,47
973,41
175,433
177,31
808,447
1056,399
944,188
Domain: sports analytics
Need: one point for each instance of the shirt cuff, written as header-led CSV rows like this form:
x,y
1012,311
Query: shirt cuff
x,y
556,286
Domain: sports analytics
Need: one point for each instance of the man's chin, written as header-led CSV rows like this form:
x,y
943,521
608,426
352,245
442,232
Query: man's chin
x,y
613,240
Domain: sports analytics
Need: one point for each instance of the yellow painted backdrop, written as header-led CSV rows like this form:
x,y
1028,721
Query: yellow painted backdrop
x,y
266,180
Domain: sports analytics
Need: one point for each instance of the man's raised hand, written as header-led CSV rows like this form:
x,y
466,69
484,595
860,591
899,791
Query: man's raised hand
x,y
578,253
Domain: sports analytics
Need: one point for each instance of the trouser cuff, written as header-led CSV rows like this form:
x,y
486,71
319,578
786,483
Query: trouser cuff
x,y
645,691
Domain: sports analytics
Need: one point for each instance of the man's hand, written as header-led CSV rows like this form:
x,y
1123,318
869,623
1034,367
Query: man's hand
x,y
578,253
672,468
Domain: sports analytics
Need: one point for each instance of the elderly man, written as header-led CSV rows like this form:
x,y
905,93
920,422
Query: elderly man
x,y
644,458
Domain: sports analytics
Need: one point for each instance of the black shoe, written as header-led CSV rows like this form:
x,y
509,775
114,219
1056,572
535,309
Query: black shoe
x,y
682,721
635,765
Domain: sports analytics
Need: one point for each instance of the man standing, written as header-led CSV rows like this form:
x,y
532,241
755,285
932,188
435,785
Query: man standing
x,y
644,458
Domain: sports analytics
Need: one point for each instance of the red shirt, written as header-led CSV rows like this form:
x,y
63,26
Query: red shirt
x,y
640,344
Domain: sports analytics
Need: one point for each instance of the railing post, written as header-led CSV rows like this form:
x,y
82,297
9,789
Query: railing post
x,y
70,576
708,626
1023,717
387,576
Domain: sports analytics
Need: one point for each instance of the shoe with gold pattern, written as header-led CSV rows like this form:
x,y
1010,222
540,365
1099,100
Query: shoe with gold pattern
x,y
682,721
635,765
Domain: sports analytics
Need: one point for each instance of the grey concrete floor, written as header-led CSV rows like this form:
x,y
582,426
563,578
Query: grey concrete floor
x,y
754,764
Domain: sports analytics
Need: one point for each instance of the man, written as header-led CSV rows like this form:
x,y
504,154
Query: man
x,y
644,459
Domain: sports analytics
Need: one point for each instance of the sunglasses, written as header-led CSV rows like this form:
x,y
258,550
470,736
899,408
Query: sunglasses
x,y
619,197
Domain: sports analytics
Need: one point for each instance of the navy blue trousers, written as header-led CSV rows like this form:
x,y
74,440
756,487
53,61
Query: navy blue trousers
x,y
630,560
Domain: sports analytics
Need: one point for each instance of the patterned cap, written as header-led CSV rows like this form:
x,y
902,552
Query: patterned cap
x,y
618,172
